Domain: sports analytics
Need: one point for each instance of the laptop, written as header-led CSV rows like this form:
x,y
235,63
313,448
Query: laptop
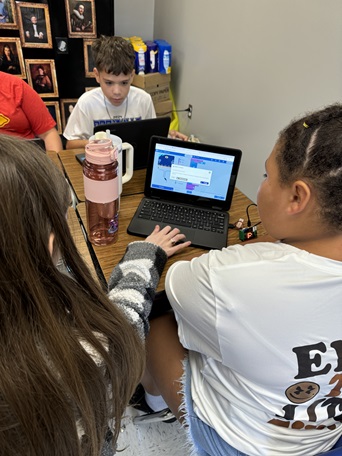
x,y
138,133
189,186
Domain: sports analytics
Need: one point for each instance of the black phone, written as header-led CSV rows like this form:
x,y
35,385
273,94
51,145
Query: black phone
x,y
80,158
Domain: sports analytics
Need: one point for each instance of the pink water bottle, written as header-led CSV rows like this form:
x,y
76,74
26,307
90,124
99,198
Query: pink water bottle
x,y
101,189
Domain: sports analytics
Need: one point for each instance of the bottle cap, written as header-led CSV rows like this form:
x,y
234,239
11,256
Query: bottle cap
x,y
100,150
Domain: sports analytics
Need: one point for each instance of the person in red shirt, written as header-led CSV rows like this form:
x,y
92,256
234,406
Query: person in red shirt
x,y
23,113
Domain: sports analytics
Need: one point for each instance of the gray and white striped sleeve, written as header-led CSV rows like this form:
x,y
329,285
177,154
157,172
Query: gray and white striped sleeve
x,y
134,280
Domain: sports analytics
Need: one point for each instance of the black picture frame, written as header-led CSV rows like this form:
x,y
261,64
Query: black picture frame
x,y
62,45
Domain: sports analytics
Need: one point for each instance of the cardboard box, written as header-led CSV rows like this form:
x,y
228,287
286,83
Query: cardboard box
x,y
163,108
160,93
146,81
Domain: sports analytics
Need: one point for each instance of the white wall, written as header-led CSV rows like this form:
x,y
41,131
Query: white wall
x,y
248,67
134,18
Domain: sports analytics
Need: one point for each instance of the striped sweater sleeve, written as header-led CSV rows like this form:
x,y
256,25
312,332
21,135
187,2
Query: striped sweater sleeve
x,y
134,280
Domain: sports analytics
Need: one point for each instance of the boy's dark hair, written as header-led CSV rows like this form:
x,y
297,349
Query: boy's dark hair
x,y
113,54
310,149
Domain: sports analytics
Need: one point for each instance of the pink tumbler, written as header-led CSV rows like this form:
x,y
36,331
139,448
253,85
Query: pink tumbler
x,y
101,189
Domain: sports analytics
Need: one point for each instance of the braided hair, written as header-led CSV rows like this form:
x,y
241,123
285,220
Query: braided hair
x,y
310,148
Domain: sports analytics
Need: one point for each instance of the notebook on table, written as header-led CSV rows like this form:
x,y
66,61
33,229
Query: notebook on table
x,y
138,133
189,186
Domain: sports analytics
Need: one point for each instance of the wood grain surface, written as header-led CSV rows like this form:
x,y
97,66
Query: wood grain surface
x,y
108,256
80,241
55,158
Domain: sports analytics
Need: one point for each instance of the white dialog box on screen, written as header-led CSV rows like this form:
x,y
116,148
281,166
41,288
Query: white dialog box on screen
x,y
190,175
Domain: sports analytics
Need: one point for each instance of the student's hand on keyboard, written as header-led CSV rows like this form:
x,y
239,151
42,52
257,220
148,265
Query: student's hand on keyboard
x,y
170,240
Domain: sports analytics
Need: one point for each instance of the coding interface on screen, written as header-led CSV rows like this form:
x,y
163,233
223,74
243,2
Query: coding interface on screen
x,y
191,172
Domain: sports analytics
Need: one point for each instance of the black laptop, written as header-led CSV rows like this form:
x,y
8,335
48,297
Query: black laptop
x,y
189,186
138,133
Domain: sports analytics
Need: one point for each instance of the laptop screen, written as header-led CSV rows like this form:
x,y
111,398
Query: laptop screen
x,y
138,133
192,172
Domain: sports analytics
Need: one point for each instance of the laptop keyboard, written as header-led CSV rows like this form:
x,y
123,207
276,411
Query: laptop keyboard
x,y
174,214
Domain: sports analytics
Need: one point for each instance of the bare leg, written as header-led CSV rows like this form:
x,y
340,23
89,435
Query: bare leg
x,y
149,384
164,367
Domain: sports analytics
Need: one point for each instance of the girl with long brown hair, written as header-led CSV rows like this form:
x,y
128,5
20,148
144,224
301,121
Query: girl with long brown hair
x,y
70,357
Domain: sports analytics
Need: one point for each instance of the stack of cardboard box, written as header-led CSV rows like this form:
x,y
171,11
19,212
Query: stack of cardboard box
x,y
158,86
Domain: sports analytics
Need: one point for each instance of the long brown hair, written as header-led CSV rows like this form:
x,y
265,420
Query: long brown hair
x,y
69,360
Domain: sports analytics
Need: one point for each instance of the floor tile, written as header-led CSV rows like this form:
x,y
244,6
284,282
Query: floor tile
x,y
152,439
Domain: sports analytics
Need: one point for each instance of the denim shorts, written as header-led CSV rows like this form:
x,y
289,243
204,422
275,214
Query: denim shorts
x,y
204,438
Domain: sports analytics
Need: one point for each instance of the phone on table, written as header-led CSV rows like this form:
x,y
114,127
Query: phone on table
x,y
80,158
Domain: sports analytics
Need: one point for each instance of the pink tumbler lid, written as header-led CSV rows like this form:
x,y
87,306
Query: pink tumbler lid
x,y
100,151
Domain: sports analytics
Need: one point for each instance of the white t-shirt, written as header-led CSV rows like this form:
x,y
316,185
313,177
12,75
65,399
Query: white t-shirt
x,y
263,323
93,109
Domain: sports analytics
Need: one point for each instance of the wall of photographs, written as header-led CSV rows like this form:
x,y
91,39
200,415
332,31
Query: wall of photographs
x,y
48,43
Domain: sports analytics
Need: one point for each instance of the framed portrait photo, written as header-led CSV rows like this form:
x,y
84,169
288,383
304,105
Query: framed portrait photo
x,y
11,57
81,19
34,25
67,105
62,45
88,59
41,76
8,15
53,108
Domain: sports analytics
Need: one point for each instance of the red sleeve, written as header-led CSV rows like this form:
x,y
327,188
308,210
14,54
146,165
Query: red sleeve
x,y
36,112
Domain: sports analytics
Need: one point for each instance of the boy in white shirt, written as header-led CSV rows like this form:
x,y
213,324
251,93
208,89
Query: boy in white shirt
x,y
115,100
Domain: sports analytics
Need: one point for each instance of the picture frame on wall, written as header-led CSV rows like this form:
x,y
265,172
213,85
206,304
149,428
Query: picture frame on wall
x,y
30,1
8,15
11,57
88,59
34,25
41,76
62,45
81,18
53,108
67,105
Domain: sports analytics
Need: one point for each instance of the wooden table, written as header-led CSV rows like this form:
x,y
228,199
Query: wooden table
x,y
107,257
76,228
80,239
55,158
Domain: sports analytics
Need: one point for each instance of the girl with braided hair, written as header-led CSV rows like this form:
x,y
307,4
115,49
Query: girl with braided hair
x,y
251,358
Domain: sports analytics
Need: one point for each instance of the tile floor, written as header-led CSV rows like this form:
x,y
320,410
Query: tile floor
x,y
155,439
